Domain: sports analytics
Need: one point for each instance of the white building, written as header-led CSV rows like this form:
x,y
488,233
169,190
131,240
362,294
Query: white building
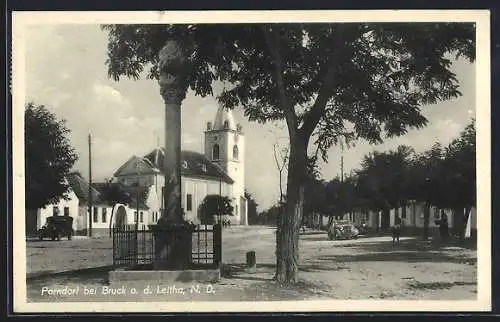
x,y
413,219
75,205
219,171
225,147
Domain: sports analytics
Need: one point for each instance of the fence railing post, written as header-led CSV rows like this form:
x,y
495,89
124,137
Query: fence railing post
x,y
217,245
133,246
113,235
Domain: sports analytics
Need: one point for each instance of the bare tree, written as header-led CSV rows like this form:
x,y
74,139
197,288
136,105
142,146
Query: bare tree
x,y
281,159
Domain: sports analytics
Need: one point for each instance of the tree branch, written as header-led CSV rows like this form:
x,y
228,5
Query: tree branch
x,y
272,40
314,115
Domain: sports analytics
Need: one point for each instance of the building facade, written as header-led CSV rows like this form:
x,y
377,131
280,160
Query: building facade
x,y
413,219
220,170
199,178
225,147
75,205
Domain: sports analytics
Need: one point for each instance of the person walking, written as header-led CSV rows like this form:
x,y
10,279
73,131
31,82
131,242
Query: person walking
x,y
396,229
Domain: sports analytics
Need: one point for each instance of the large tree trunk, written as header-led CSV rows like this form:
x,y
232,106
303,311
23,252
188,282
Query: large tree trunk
x,y
173,239
427,212
463,216
386,219
287,239
31,222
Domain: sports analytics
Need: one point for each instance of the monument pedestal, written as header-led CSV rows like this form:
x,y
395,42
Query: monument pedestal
x,y
172,246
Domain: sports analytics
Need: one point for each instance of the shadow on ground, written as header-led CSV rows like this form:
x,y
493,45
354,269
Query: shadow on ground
x,y
240,271
267,288
94,273
407,251
437,285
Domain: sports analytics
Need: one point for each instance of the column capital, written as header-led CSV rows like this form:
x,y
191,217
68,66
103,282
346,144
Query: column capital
x,y
173,95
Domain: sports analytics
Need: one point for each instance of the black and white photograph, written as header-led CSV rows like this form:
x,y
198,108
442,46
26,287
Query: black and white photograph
x,y
251,161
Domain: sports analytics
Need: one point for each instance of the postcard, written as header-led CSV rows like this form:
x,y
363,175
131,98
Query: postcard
x,y
251,161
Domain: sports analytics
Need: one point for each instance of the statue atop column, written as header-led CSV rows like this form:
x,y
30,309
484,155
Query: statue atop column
x,y
173,235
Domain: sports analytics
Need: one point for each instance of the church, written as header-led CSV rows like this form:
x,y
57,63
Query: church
x,y
219,170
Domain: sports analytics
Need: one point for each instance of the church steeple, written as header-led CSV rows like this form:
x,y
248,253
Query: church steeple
x,y
225,146
224,119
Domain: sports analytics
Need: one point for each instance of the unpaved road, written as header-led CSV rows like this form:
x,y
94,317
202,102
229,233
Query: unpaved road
x,y
367,268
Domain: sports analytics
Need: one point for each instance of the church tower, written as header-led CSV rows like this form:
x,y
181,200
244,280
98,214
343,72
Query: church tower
x,y
225,146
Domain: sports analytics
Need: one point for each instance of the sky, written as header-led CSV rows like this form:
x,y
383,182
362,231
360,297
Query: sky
x,y
66,72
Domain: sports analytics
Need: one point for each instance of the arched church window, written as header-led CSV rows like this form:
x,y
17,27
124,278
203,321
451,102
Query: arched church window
x,y
235,152
215,152
226,124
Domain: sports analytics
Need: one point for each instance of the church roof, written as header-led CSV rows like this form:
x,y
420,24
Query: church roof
x,y
224,120
193,164
136,165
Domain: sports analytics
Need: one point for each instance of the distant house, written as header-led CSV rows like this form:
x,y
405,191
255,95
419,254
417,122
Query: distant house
x,y
413,219
68,206
142,208
76,205
100,210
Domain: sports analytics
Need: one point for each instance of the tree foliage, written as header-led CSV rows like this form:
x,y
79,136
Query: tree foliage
x,y
459,170
444,177
49,156
112,193
270,215
374,77
384,177
253,215
214,206
329,82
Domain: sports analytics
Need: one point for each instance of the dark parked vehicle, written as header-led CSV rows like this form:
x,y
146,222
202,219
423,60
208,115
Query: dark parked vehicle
x,y
342,229
57,227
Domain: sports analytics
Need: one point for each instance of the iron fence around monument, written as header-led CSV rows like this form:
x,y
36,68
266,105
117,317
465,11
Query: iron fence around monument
x,y
136,247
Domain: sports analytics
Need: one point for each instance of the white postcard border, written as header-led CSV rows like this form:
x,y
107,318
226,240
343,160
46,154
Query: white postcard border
x,y
482,19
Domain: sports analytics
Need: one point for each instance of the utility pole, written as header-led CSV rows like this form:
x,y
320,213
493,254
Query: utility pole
x,y
342,162
137,198
137,215
220,195
90,186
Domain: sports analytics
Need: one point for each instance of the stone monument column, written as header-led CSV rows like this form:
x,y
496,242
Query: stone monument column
x,y
172,234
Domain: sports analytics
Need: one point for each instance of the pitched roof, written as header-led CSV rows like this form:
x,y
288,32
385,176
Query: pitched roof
x,y
193,164
136,165
81,188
